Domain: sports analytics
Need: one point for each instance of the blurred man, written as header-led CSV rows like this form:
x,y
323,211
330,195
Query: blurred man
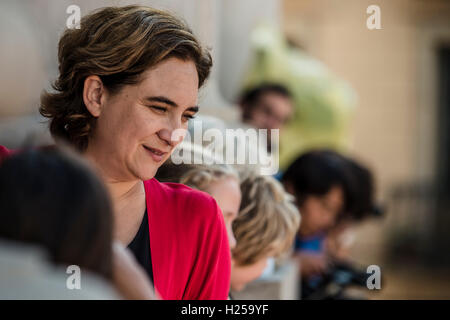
x,y
267,106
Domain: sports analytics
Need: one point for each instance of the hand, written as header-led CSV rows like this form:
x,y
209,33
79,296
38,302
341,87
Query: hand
x,y
312,263
129,277
339,242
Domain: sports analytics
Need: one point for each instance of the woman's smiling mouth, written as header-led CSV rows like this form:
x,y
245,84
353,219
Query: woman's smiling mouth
x,y
156,154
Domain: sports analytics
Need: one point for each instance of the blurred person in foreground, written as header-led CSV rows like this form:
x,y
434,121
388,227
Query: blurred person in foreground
x,y
128,85
266,106
55,211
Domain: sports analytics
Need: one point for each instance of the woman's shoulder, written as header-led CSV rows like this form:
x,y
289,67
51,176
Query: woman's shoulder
x,y
193,216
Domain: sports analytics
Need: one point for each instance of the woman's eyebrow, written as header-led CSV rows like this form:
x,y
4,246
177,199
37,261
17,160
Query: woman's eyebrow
x,y
166,100
161,99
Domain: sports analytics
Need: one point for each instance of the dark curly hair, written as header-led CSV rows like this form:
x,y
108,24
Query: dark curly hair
x,y
117,44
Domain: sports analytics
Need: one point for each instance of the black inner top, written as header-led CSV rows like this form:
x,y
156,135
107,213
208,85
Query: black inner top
x,y
140,246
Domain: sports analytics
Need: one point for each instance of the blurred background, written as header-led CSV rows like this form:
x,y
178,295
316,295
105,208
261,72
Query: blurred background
x,y
382,96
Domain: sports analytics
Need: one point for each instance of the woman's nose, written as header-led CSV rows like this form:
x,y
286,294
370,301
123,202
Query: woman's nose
x,y
173,133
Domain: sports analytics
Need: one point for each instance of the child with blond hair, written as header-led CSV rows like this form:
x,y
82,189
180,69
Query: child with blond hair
x,y
265,227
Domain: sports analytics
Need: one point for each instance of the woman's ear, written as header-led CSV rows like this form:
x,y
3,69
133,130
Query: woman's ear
x,y
93,94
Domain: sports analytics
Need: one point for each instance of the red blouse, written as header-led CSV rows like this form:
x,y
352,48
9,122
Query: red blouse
x,y
188,242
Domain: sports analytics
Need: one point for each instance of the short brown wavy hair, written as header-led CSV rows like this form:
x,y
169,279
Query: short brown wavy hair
x,y
117,44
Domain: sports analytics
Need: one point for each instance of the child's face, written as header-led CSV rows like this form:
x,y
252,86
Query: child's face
x,y
227,193
319,213
242,275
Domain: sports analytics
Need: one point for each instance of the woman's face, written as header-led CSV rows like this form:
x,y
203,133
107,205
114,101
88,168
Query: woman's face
x,y
135,129
242,275
319,213
227,193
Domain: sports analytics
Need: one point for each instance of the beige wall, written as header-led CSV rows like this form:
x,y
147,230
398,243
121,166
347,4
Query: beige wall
x,y
31,30
394,125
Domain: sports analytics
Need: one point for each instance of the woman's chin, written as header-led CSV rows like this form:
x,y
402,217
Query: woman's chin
x,y
147,173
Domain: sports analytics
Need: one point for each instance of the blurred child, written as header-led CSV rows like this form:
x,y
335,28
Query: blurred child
x,y
319,182
332,193
265,227
218,180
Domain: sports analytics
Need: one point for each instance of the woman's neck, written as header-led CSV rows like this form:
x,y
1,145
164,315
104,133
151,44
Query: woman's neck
x,y
122,190
129,208
128,199
119,187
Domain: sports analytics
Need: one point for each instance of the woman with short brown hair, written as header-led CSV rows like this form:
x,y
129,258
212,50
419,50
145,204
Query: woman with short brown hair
x,y
128,84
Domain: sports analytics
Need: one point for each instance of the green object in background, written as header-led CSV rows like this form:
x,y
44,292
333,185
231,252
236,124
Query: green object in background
x,y
324,104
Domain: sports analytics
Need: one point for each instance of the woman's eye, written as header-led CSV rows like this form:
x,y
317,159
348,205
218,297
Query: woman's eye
x,y
157,108
189,116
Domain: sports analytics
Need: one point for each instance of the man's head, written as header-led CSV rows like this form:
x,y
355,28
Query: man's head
x,y
267,106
